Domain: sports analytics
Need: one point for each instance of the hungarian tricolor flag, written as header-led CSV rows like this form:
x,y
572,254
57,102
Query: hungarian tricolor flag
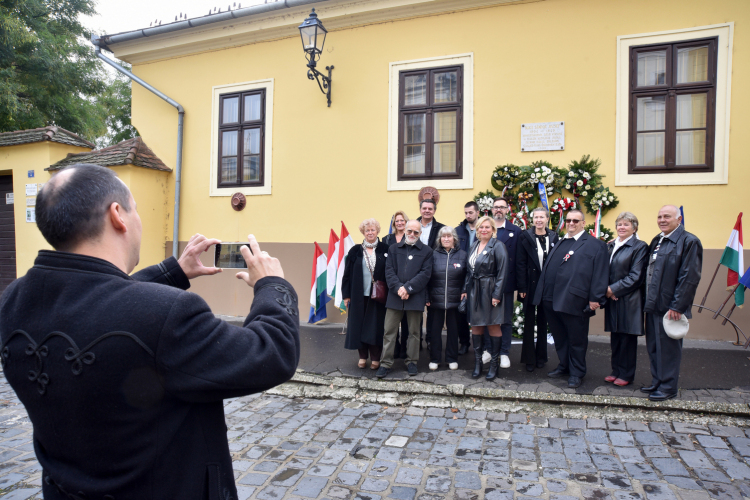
x,y
333,252
732,258
345,244
318,296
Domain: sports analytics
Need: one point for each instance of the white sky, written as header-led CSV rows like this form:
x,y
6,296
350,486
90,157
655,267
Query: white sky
x,y
116,16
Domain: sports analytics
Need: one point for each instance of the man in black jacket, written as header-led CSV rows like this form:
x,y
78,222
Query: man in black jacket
x,y
672,277
509,234
573,285
123,376
429,231
407,273
467,233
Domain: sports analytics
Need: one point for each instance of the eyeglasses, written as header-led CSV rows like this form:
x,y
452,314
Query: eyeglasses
x,y
412,231
499,208
572,221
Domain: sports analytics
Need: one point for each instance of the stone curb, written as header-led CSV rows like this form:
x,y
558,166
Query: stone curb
x,y
305,384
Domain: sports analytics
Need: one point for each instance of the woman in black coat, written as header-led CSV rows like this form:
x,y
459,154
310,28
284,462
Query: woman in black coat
x,y
398,226
623,314
533,247
485,283
365,264
445,291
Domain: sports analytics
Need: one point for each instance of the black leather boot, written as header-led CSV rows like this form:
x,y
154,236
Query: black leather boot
x,y
477,341
497,342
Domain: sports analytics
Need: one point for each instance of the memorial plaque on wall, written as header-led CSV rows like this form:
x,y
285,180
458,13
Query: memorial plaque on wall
x,y
549,136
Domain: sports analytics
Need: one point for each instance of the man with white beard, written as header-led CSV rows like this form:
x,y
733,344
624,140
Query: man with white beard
x,y
408,268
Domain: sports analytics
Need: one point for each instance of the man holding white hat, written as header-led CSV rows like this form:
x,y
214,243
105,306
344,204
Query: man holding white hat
x,y
674,270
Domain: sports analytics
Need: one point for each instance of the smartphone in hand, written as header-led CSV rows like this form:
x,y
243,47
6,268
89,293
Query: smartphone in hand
x,y
228,255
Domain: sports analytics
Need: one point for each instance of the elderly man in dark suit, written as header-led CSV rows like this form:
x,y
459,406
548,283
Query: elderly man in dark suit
x,y
407,272
573,285
674,270
123,376
509,234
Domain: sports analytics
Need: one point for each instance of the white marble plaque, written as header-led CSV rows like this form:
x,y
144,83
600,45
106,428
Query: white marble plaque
x,y
549,136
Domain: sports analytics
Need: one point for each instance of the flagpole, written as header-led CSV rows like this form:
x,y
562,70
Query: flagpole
x,y
709,288
725,302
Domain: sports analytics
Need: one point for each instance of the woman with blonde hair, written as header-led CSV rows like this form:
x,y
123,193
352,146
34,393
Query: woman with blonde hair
x,y
485,282
398,226
365,264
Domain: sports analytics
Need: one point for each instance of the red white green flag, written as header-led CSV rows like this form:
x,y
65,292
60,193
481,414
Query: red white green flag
x,y
732,258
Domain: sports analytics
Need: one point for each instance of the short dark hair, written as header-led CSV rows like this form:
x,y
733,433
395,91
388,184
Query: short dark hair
x,y
499,198
583,215
472,204
428,200
71,211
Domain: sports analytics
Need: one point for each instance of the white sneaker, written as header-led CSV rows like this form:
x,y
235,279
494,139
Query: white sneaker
x,y
486,357
504,361
453,366
433,366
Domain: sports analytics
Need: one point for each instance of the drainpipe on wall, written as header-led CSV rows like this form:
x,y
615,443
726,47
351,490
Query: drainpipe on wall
x,y
180,121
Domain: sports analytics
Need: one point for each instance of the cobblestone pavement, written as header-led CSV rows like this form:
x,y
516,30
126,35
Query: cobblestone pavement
x,y
293,448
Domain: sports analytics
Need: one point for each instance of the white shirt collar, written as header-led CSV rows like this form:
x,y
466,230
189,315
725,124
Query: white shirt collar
x,y
503,226
670,234
567,236
619,243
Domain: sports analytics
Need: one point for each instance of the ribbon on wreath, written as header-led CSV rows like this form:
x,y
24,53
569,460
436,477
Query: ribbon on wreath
x,y
597,231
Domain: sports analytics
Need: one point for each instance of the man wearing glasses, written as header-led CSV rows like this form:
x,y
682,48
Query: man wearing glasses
x,y
408,268
573,285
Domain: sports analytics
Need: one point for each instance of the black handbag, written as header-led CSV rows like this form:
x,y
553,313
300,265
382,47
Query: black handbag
x,y
462,306
379,291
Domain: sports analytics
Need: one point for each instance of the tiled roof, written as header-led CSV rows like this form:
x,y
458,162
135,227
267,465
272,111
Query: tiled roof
x,y
131,152
51,133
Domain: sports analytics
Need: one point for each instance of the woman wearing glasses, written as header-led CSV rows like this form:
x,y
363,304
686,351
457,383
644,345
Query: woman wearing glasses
x,y
365,264
485,281
623,315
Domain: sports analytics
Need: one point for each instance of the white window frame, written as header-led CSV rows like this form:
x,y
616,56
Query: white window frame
x,y
217,91
467,179
720,175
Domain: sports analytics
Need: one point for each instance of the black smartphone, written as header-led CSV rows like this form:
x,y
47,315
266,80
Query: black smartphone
x,y
228,255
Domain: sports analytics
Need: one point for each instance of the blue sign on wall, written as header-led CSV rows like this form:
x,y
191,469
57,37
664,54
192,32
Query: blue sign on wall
x,y
31,174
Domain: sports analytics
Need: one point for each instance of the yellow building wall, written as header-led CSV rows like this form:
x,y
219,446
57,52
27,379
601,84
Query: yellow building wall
x,y
18,160
544,61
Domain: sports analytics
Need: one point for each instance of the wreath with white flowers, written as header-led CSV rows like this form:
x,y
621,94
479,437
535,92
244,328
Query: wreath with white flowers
x,y
557,210
485,200
602,199
507,177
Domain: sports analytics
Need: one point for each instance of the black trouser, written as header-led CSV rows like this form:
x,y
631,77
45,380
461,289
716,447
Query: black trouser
x,y
401,338
464,332
374,351
451,318
624,351
664,353
571,334
533,316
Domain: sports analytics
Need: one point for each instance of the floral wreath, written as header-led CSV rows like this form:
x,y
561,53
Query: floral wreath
x,y
485,200
557,211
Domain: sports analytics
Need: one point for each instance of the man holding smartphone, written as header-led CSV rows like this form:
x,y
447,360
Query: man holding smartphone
x,y
124,377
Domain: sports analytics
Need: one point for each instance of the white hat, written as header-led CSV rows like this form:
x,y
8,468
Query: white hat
x,y
676,329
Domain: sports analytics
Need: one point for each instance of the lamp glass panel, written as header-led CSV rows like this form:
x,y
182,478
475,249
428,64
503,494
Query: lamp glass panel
x,y
692,64
252,141
415,91
229,170
252,107
652,68
691,147
691,110
650,149
251,168
320,40
446,87
308,37
651,112
231,110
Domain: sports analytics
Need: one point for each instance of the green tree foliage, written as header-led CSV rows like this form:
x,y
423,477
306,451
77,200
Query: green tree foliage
x,y
48,71
116,101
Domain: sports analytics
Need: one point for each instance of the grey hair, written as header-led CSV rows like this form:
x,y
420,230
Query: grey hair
x,y
629,216
540,209
446,230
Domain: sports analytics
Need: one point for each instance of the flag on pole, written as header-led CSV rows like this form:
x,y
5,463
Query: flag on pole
x,y
345,244
732,258
745,279
390,228
333,252
682,214
543,195
318,296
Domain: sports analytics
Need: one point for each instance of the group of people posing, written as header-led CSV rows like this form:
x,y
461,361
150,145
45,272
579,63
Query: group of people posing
x,y
467,276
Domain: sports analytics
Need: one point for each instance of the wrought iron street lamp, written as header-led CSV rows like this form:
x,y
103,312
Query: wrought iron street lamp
x,y
313,38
